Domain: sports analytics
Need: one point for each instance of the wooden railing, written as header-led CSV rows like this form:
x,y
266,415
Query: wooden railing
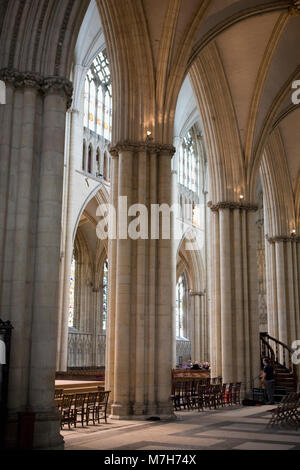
x,y
277,352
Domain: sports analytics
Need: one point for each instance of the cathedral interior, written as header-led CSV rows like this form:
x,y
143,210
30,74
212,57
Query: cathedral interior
x,y
189,104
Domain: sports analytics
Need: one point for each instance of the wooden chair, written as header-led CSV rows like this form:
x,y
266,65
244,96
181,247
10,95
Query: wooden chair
x,y
236,393
194,397
58,393
66,411
223,398
217,395
188,394
201,396
178,397
287,412
91,407
101,405
79,408
208,396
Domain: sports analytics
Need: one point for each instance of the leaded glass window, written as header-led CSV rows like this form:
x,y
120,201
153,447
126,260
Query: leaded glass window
x,y
98,97
188,167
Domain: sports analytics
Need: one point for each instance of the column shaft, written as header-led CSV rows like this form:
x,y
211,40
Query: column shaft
x,y
281,292
141,310
164,295
226,300
123,323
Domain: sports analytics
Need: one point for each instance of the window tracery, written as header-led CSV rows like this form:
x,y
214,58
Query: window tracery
x,y
98,97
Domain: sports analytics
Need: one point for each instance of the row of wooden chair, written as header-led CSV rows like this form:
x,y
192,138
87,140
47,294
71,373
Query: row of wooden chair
x,y
83,407
195,394
58,393
287,412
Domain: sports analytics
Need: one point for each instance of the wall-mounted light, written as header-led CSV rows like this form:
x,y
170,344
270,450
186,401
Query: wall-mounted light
x,y
149,136
241,196
294,232
87,182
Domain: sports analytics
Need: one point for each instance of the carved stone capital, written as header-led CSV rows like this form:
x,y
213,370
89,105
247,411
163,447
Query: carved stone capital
x,y
5,325
282,239
232,205
294,9
148,146
58,84
20,79
42,84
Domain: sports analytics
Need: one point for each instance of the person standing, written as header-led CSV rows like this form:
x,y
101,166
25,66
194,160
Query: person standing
x,y
269,380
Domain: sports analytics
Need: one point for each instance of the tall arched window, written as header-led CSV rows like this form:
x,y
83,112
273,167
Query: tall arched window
x,y
105,295
188,167
180,307
83,155
105,166
72,290
98,97
98,162
90,160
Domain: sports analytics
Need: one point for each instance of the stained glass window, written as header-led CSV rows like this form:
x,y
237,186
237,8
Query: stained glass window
x,y
72,290
187,173
105,295
179,307
98,97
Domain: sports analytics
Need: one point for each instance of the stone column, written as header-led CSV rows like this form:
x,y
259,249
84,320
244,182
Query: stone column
x,y
174,264
75,125
37,108
152,282
253,292
234,326
198,337
282,307
17,227
123,319
204,331
140,330
226,291
271,289
45,293
283,290
215,304
112,256
164,294
141,297
192,324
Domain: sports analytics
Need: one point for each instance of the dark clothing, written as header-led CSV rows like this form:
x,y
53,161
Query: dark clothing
x,y
269,371
196,367
270,386
269,382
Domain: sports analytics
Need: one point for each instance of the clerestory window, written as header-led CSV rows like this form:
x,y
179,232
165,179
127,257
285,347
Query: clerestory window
x,y
98,97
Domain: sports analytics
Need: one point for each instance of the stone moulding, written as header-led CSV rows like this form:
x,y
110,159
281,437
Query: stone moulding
x,y
282,239
5,325
44,85
194,293
232,205
153,147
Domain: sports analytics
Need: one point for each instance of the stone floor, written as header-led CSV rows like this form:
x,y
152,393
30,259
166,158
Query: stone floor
x,y
241,428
